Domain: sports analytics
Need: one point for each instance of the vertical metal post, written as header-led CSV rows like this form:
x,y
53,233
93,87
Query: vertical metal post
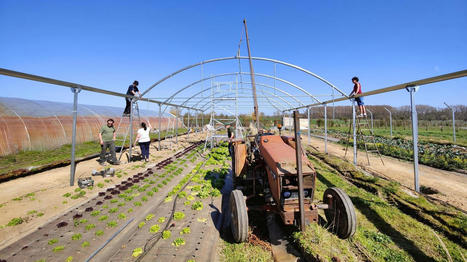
x,y
196,121
412,91
333,105
371,117
390,120
309,125
131,130
354,134
454,125
325,128
176,126
160,125
188,131
73,136
298,154
453,122
202,120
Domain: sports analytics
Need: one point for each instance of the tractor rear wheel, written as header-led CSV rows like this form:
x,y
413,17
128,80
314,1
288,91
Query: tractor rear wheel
x,y
238,216
340,215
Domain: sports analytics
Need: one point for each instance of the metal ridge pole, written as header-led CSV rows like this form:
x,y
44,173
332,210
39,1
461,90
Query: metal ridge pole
x,y
252,75
52,81
425,81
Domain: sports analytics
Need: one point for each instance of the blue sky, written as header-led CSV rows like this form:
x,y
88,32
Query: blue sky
x,y
108,44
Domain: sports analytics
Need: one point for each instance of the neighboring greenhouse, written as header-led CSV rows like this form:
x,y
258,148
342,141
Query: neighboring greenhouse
x,y
38,125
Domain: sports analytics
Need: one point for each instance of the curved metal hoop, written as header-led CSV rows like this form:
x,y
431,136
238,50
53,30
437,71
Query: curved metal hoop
x,y
243,57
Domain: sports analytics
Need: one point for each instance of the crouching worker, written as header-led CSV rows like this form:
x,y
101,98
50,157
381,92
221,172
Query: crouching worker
x,y
144,140
107,137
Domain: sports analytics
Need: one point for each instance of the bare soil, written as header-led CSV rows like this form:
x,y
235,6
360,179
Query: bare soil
x,y
452,186
49,187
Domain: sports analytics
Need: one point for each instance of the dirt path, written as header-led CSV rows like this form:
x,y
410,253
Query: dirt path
x,y
451,185
39,197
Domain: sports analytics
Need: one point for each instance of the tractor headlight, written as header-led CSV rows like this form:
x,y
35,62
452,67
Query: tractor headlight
x,y
286,194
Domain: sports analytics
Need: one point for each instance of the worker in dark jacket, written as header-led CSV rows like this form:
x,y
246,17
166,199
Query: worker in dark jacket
x,y
132,91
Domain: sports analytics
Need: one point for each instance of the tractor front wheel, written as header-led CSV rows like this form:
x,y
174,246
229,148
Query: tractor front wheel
x,y
340,214
238,216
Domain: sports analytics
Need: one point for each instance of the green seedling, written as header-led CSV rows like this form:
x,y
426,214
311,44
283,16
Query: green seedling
x,y
122,216
113,201
113,210
155,189
95,213
149,217
90,226
112,223
104,217
144,198
150,193
105,206
198,205
40,214
182,194
69,259
67,195
99,233
32,212
166,234
85,244
121,204
130,210
77,189
178,242
185,230
58,248
187,203
137,203
76,236
137,252
154,229
15,221
52,241
168,199
179,215
161,220
190,197
141,224
100,185
83,221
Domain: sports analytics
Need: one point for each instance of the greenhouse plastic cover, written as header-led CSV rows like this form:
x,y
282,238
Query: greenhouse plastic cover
x,y
38,125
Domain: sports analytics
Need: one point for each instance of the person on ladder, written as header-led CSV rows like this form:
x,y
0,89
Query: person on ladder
x,y
132,91
357,89
107,137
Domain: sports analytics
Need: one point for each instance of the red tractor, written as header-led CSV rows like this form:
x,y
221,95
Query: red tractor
x,y
265,167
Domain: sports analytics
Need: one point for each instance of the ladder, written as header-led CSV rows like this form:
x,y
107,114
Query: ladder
x,y
365,136
134,112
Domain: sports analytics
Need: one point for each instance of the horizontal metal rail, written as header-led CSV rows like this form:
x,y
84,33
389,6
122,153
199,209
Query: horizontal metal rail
x,y
420,82
52,81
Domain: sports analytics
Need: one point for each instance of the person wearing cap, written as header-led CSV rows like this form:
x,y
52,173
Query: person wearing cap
x,y
132,91
107,137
